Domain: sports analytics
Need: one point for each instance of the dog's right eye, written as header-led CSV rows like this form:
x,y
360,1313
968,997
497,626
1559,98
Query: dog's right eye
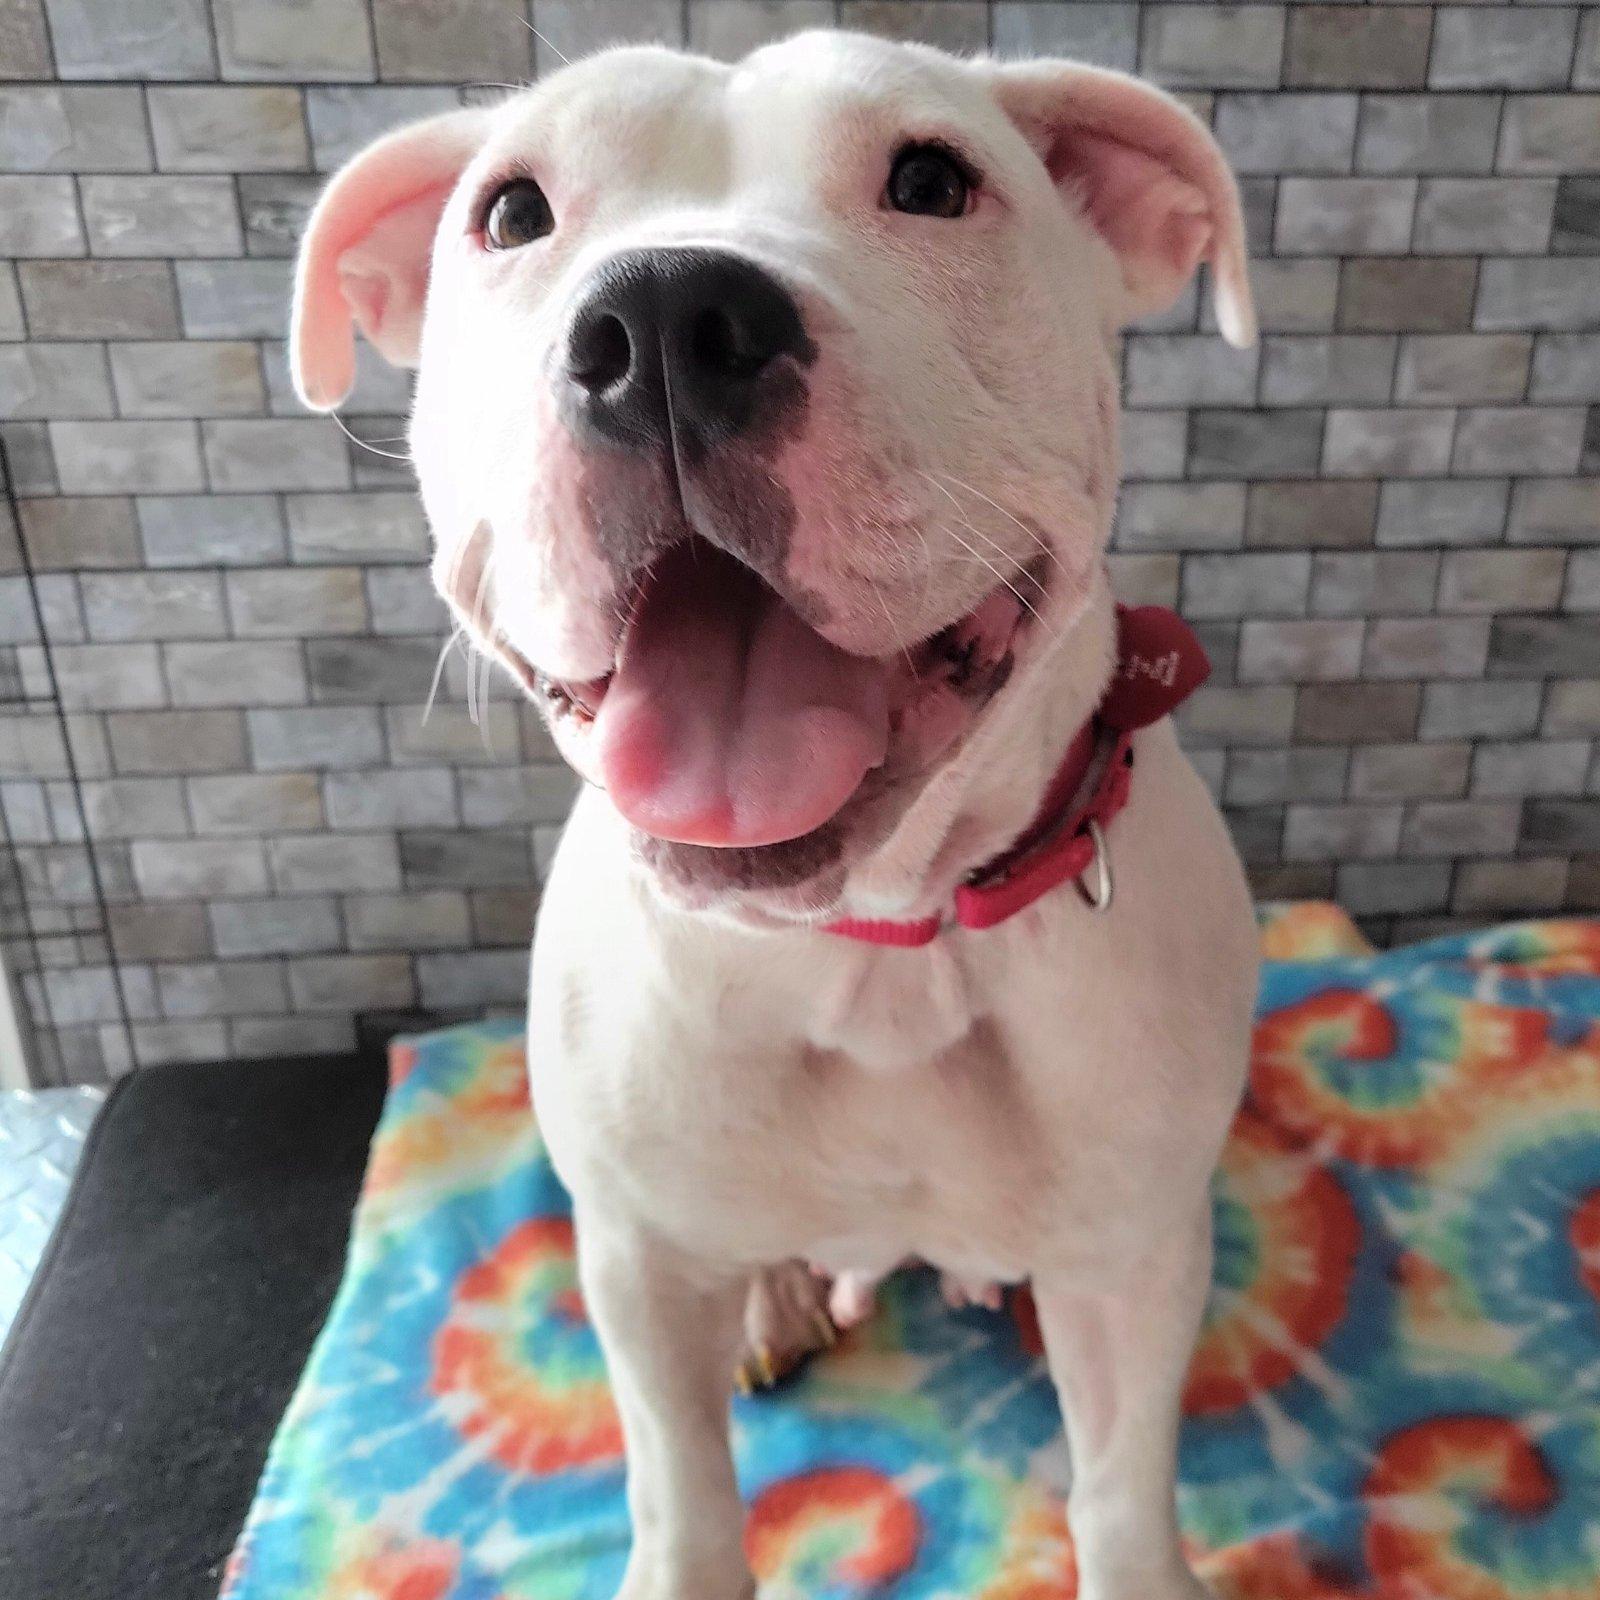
x,y
518,214
928,180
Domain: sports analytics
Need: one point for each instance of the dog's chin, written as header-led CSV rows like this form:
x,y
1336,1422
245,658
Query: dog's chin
x,y
796,881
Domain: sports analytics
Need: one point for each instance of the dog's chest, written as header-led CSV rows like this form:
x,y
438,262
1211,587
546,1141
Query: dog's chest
x,y
888,1115
893,1010
941,1157
986,1102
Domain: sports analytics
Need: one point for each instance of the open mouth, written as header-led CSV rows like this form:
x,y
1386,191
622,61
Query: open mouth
x,y
729,721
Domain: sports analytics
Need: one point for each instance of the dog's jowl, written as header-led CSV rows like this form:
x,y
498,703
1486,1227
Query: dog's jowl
x,y
766,422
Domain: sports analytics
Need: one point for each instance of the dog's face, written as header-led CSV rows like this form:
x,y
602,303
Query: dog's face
x,y
765,414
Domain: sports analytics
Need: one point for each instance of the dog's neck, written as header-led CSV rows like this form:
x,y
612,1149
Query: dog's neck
x,y
979,802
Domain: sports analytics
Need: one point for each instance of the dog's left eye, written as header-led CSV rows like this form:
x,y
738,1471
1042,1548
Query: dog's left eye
x,y
926,180
518,214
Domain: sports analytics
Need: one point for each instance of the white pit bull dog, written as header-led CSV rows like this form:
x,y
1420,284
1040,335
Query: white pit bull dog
x,y
766,419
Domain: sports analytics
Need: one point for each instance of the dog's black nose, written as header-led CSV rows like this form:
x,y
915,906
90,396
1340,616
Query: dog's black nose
x,y
683,347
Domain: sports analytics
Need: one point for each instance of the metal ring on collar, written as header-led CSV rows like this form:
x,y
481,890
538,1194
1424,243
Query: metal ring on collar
x,y
1100,897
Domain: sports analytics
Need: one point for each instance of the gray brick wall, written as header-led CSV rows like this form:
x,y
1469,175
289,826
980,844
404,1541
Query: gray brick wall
x,y
233,830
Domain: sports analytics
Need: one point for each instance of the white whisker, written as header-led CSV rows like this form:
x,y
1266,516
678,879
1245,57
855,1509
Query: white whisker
x,y
544,41
1031,532
388,455
1043,547
457,561
888,616
1022,599
477,617
972,527
966,521
438,670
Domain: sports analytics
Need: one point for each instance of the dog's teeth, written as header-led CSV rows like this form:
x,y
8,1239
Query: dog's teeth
x,y
563,701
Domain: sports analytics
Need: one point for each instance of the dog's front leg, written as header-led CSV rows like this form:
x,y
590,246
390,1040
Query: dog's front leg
x,y
670,1329
1119,1361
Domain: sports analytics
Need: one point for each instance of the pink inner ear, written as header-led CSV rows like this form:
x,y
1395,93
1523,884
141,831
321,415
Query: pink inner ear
x,y
366,294
384,276
1158,223
366,253
1150,178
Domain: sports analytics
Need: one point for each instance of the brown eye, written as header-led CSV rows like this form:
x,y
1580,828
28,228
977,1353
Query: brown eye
x,y
926,180
518,214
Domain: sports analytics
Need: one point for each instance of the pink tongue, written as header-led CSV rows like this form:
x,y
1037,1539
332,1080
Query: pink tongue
x,y
729,721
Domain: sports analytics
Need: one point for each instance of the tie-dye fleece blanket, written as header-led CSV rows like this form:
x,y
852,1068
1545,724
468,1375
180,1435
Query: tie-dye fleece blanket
x,y
1397,1393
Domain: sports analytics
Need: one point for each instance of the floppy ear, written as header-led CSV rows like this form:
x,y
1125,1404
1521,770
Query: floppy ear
x,y
1150,179
365,255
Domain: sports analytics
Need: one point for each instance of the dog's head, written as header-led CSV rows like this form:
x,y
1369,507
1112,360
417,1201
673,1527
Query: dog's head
x,y
766,414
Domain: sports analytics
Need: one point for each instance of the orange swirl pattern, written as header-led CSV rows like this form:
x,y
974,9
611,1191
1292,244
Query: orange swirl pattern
x,y
1428,1484
848,1523
1273,1568
1283,1271
516,1357
1386,1081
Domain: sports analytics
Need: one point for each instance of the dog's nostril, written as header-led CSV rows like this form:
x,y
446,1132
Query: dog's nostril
x,y
729,345
601,352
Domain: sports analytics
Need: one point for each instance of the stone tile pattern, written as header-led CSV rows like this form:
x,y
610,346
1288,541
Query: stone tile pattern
x,y
233,831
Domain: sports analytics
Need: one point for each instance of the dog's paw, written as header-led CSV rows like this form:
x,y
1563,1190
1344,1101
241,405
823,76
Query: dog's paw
x,y
786,1321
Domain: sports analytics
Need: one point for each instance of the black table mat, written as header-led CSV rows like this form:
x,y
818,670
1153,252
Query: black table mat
x,y
191,1269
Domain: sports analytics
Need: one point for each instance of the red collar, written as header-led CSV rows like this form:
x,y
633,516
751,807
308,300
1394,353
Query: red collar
x,y
1159,664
